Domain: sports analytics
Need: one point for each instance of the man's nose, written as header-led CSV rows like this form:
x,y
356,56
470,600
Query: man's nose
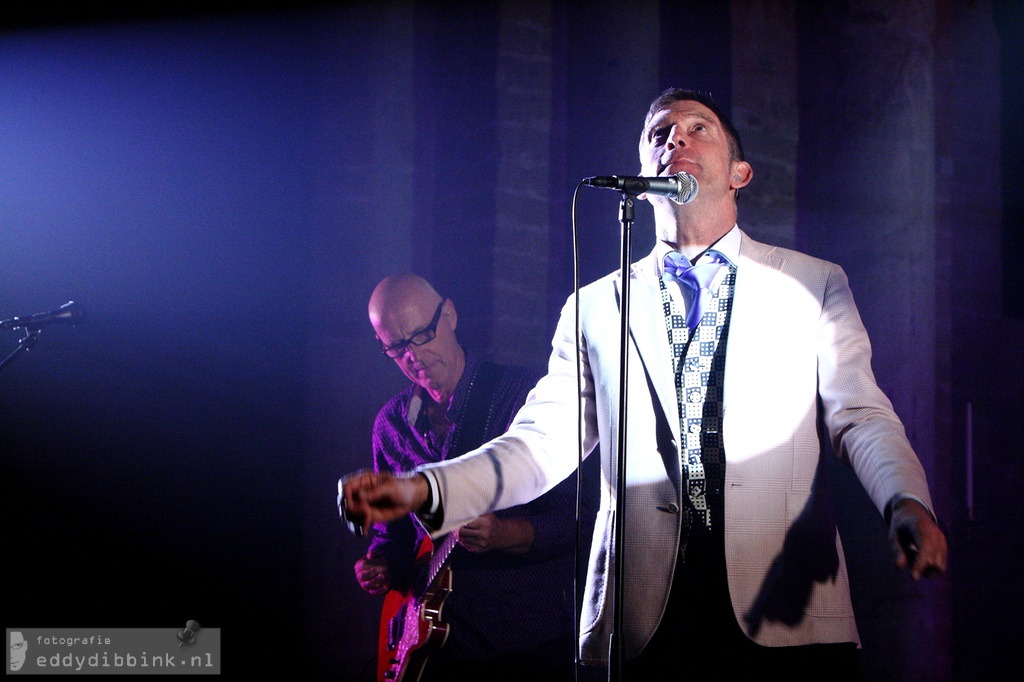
x,y
676,137
412,352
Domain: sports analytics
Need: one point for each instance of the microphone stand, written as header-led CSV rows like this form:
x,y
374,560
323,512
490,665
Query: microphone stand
x,y
616,657
69,313
31,336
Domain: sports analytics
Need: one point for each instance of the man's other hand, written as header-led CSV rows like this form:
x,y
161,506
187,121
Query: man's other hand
x,y
916,540
373,573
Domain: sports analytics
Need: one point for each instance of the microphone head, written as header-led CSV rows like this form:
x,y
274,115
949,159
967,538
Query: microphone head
x,y
687,191
72,313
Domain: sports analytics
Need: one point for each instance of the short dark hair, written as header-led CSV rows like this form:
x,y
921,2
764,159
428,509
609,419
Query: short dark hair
x,y
680,95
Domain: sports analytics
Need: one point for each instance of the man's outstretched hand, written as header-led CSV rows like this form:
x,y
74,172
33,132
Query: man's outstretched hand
x,y
369,497
917,542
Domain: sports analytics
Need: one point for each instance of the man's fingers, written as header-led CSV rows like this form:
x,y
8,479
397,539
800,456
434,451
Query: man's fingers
x,y
367,498
357,493
925,568
899,556
921,546
931,560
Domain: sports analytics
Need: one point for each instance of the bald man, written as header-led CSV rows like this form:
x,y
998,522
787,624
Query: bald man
x,y
510,612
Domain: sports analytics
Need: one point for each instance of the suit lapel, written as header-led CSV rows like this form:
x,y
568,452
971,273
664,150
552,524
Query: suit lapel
x,y
748,306
747,285
647,328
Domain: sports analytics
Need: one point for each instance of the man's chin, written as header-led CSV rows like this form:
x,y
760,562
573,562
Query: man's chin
x,y
428,384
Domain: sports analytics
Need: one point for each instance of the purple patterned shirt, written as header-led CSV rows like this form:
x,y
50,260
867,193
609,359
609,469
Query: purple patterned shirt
x,y
500,603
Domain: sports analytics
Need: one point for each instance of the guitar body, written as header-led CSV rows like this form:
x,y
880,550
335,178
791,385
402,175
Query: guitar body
x,y
393,603
416,631
411,628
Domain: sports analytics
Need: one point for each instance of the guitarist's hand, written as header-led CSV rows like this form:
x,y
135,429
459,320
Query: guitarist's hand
x,y
368,497
373,573
488,532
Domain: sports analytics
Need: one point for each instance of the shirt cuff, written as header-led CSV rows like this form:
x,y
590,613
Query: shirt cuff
x,y
906,496
431,515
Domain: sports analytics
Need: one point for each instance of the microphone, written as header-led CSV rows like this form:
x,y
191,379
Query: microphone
x,y
71,313
680,188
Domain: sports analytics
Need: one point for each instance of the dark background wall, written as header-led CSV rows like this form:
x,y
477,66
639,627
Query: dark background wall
x,y
221,190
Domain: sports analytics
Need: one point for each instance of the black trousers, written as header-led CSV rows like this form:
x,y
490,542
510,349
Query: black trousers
x,y
699,634
552,662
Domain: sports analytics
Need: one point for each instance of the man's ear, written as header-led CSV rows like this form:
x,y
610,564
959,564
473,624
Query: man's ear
x,y
449,312
741,176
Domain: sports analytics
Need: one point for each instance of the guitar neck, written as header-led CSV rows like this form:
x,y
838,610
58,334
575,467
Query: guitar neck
x,y
440,558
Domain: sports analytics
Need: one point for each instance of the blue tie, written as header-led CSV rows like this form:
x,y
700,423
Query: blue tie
x,y
698,277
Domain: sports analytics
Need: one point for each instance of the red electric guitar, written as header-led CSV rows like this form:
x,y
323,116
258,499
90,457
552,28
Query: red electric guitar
x,y
411,628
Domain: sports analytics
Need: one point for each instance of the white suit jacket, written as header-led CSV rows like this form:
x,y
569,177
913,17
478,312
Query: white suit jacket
x,y
797,356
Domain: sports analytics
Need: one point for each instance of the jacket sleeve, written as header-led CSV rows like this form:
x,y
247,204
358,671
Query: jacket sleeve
x,y
540,448
860,419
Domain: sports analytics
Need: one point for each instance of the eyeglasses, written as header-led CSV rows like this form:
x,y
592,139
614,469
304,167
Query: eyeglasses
x,y
425,335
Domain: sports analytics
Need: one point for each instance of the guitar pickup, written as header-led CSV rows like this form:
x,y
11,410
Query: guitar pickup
x,y
395,628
